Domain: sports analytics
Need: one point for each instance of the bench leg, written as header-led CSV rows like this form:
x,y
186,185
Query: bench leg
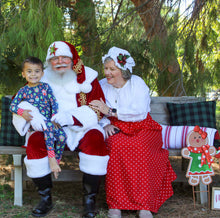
x,y
18,186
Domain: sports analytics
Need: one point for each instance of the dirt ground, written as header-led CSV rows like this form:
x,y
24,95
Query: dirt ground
x,y
67,198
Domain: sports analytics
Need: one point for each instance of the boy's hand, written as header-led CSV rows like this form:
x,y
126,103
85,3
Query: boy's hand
x,y
27,116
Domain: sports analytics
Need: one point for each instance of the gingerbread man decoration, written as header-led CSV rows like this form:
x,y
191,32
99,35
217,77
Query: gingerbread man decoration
x,y
200,155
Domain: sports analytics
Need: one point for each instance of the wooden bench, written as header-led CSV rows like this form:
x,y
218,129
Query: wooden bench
x,y
159,113
19,171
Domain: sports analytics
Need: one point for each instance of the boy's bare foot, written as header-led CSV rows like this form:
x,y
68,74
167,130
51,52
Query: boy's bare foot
x,y
54,167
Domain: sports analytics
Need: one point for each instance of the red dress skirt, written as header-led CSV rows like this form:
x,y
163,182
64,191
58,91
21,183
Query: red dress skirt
x,y
139,173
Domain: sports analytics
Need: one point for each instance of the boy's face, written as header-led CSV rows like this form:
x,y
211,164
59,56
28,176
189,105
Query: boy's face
x,y
32,73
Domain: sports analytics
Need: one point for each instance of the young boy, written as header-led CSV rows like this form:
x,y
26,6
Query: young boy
x,y
40,95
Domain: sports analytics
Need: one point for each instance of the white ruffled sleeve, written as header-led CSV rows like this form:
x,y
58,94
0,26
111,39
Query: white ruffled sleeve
x,y
132,101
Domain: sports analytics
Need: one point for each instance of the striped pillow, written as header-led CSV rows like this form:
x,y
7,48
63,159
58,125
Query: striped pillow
x,y
174,137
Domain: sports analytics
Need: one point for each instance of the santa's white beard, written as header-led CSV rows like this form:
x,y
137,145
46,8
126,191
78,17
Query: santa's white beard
x,y
59,77
68,80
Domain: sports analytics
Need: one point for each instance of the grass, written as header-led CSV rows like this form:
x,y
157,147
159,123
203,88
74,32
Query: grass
x,y
67,198
66,204
6,202
70,206
6,192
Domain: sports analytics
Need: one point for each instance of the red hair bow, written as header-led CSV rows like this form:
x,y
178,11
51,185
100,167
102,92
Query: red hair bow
x,y
202,133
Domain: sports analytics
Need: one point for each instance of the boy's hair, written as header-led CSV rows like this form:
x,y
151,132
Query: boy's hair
x,y
32,60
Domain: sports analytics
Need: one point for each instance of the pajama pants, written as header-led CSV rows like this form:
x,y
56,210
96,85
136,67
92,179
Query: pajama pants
x,y
50,135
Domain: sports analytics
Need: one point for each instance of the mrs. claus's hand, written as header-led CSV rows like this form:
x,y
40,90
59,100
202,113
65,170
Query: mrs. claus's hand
x,y
99,105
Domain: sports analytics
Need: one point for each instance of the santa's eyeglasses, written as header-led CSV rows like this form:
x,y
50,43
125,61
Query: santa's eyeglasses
x,y
60,59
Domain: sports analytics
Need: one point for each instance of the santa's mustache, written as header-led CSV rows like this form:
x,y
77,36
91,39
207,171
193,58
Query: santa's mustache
x,y
61,65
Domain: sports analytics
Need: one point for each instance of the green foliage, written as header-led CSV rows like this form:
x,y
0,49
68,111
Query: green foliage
x,y
198,51
94,26
28,29
85,38
122,27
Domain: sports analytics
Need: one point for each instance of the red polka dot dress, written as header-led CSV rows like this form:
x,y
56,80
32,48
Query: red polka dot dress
x,y
139,173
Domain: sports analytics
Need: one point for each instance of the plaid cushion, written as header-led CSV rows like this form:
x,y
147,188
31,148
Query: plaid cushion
x,y
8,134
192,114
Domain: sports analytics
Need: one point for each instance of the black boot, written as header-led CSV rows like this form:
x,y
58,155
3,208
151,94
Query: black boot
x,y
91,185
44,185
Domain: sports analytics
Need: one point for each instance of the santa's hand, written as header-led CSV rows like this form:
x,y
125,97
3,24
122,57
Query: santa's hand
x,y
111,130
63,119
38,123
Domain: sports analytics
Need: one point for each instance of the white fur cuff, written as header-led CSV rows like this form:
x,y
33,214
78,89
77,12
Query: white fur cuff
x,y
37,167
20,124
93,164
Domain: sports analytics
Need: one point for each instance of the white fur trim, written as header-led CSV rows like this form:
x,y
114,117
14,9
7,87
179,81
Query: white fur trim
x,y
93,164
91,74
85,87
20,124
61,49
73,137
86,116
37,167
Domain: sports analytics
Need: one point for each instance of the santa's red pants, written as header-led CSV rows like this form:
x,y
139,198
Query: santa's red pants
x,y
92,154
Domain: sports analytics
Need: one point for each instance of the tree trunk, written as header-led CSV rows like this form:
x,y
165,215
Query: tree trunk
x,y
149,11
87,29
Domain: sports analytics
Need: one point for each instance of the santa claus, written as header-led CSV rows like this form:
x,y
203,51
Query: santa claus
x,y
74,87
